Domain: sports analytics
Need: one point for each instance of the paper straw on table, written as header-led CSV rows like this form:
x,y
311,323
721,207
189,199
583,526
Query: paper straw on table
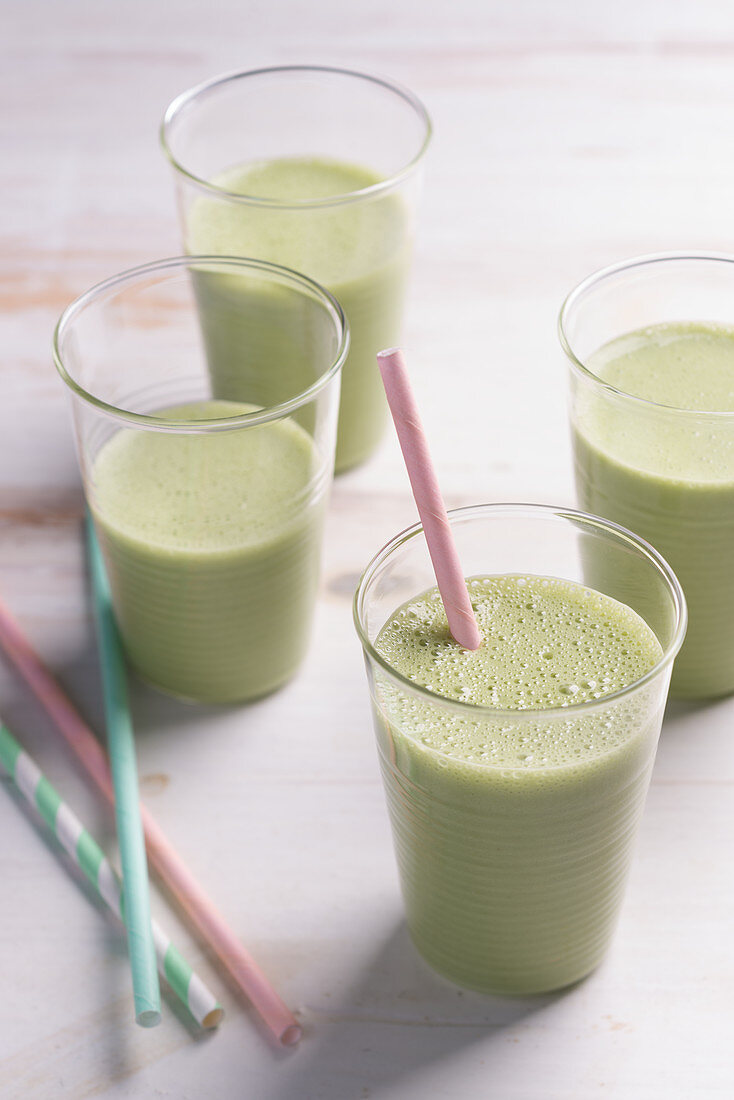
x,y
89,857
121,749
428,498
202,914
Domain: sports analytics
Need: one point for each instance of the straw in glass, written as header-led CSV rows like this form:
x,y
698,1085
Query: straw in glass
x,y
202,914
428,498
89,857
121,746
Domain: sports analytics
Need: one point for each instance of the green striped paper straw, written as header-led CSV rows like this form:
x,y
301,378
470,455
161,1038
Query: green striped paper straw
x,y
87,854
121,746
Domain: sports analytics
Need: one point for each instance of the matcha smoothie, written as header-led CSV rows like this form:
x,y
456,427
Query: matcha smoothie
x,y
317,169
515,775
513,839
360,251
212,548
209,512
663,465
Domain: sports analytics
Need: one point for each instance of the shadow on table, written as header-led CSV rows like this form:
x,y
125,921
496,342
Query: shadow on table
x,y
80,678
678,710
399,1018
700,718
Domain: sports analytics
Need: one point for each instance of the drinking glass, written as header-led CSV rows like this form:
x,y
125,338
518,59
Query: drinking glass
x,y
513,866
319,169
208,505
667,473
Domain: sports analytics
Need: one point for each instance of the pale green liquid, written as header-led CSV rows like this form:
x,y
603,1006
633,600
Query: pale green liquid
x,y
212,546
360,251
513,833
670,479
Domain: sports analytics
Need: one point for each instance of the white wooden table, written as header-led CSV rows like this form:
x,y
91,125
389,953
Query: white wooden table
x,y
568,136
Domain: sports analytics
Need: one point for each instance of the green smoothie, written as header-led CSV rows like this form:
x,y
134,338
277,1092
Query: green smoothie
x,y
668,475
359,250
513,830
212,545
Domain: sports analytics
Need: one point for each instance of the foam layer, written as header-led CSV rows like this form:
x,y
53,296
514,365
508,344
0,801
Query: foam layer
x,y
331,245
297,179
206,493
679,366
546,643
684,365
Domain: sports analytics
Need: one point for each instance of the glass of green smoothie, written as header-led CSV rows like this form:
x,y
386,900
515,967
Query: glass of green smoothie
x,y
515,775
650,343
318,169
208,507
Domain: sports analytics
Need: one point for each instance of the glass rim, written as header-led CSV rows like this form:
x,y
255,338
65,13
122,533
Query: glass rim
x,y
226,423
572,301
213,84
572,710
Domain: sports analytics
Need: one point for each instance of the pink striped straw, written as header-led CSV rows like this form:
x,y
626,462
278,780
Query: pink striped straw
x,y
431,508
202,914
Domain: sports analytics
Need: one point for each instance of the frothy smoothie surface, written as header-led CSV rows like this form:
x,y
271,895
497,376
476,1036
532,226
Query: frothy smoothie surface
x,y
330,245
308,179
681,364
546,643
678,366
204,494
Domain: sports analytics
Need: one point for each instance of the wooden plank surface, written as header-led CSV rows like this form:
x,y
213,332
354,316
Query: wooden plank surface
x,y
568,136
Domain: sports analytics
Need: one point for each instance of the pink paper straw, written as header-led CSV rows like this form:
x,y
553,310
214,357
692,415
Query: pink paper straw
x,y
431,508
202,914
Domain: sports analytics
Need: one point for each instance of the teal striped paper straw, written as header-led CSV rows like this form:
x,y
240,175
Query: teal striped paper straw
x,y
87,854
121,746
